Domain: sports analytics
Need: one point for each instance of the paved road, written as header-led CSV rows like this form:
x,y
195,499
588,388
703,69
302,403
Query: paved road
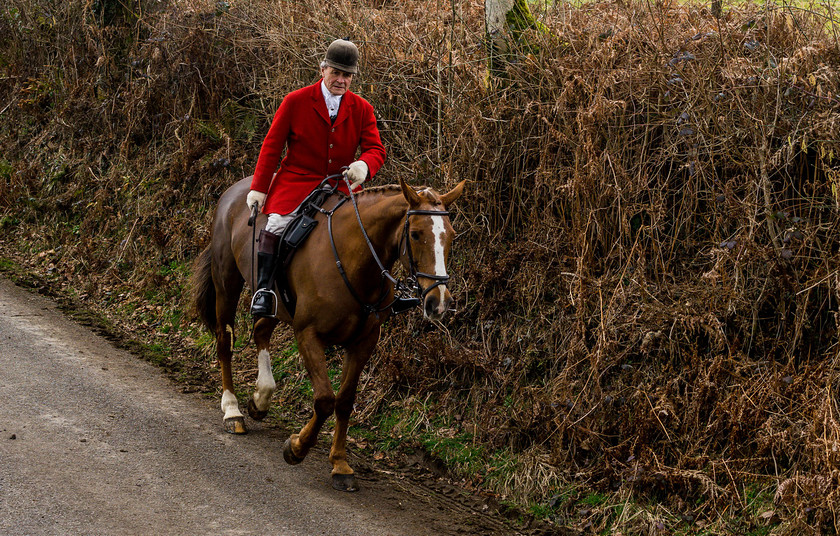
x,y
96,441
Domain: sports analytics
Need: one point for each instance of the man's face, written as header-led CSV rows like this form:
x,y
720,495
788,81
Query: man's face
x,y
337,82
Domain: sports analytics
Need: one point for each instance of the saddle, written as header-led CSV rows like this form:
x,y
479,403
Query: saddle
x,y
294,236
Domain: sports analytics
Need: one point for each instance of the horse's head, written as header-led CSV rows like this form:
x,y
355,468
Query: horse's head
x,y
427,239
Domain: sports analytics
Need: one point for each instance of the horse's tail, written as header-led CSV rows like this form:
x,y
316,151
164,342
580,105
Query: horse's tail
x,y
203,298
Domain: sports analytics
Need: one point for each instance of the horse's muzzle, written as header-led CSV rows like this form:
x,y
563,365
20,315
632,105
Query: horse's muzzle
x,y
434,308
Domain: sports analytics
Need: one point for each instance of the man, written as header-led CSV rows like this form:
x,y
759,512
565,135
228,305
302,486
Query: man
x,y
322,126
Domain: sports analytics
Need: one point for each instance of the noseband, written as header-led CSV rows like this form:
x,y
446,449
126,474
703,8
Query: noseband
x,y
407,295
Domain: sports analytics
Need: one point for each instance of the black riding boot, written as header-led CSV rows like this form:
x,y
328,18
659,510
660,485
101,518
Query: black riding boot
x,y
264,302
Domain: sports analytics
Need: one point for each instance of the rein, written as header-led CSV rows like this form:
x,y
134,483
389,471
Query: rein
x,y
400,302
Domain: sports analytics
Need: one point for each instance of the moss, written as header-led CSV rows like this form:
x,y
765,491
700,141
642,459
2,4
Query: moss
x,y
519,20
5,169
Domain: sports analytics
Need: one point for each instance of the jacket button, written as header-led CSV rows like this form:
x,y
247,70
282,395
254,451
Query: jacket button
x,y
331,146
333,130
329,161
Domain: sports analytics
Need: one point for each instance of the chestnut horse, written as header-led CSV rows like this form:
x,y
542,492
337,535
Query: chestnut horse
x,y
340,278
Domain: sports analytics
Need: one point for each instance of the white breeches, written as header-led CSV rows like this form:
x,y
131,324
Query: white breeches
x,y
277,222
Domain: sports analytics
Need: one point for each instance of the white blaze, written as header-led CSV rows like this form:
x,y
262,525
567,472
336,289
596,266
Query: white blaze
x,y
439,231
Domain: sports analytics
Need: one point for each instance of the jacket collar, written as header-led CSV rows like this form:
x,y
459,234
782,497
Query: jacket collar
x,y
321,107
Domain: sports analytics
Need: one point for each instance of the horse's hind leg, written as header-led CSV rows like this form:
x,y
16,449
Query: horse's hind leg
x,y
355,359
261,399
226,313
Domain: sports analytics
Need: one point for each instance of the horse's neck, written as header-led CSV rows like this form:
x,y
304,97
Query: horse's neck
x,y
383,219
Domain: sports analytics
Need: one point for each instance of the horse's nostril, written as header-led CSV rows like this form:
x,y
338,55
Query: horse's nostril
x,y
431,305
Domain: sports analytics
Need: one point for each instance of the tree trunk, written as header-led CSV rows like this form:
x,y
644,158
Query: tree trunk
x,y
505,21
495,17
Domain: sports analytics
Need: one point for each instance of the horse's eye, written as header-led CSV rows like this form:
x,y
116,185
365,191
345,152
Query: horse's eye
x,y
415,235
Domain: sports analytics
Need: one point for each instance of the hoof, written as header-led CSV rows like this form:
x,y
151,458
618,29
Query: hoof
x,y
288,455
344,482
235,425
255,413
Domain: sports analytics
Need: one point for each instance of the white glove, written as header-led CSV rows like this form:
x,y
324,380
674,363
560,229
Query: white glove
x,y
255,198
357,173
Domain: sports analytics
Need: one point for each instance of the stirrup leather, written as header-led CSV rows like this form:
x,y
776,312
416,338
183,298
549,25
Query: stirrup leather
x,y
265,291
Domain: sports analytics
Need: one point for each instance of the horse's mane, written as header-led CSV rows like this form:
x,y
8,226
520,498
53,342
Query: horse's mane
x,y
385,190
375,193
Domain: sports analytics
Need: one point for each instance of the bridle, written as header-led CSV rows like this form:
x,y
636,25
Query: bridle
x,y
439,280
407,294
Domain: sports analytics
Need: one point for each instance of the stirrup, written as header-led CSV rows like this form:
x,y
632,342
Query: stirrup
x,y
264,291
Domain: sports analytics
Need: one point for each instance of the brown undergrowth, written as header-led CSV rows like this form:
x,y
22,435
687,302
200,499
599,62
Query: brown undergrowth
x,y
646,270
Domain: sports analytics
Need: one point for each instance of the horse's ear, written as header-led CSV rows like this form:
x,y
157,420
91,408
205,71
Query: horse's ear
x,y
409,194
452,195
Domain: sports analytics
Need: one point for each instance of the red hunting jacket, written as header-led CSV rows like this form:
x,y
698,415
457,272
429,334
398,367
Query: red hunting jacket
x,y
316,148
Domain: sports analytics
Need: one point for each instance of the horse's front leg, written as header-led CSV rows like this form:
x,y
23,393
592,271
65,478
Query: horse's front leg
x,y
355,359
312,351
260,401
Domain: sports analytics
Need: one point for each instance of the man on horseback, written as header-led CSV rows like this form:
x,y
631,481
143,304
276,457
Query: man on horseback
x,y
322,127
